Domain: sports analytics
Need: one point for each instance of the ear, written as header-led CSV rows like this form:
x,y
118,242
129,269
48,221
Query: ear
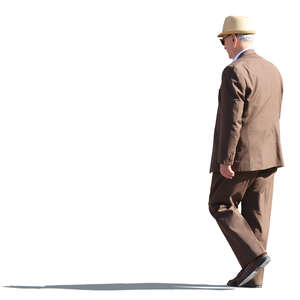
x,y
235,41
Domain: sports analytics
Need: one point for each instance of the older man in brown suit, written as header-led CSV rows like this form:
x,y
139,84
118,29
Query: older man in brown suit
x,y
246,150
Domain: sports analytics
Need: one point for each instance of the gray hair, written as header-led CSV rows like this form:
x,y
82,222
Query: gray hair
x,y
247,37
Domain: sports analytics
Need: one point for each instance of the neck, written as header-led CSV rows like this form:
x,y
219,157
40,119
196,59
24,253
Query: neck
x,y
239,49
245,45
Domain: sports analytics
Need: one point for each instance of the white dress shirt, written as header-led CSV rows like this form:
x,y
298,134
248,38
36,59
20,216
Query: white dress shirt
x,y
237,56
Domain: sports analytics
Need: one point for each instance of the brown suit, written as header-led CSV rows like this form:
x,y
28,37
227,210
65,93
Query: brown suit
x,y
246,136
247,133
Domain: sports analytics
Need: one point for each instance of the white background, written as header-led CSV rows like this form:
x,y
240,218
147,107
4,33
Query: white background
x,y
107,115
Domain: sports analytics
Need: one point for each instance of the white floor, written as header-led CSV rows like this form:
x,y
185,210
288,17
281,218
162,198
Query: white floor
x,y
148,291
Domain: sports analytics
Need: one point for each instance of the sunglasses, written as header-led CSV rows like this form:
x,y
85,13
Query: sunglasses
x,y
223,39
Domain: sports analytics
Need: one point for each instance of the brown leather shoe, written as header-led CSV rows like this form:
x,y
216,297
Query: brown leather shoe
x,y
248,272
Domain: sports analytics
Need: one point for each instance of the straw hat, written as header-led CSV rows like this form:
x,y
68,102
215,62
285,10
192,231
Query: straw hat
x,y
238,25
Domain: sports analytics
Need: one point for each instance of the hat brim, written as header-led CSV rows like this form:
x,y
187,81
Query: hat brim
x,y
222,34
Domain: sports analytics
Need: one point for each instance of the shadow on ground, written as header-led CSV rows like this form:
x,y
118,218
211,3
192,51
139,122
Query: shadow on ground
x,y
128,286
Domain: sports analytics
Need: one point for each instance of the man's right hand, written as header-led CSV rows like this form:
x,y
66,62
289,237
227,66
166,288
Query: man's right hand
x,y
226,171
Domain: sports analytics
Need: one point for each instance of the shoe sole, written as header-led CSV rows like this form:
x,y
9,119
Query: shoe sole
x,y
252,274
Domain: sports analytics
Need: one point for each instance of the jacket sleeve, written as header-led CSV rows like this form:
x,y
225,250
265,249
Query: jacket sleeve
x,y
281,95
231,102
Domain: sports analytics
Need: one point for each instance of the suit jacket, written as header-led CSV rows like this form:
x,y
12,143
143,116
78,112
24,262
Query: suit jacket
x,y
247,133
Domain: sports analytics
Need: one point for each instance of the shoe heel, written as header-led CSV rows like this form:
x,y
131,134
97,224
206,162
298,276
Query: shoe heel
x,y
265,262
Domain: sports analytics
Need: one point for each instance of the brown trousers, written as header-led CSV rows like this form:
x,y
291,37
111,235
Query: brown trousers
x,y
246,231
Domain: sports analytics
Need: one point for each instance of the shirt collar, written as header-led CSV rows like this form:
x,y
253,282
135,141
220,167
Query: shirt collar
x,y
237,56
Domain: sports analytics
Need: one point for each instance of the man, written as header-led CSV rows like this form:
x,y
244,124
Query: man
x,y
246,150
